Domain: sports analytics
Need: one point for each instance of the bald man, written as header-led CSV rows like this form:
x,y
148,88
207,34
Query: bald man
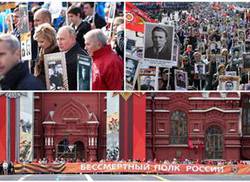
x,y
42,16
66,40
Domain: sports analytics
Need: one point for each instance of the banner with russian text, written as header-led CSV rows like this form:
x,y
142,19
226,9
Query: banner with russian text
x,y
132,167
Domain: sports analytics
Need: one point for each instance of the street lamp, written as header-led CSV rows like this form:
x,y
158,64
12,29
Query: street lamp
x,y
153,123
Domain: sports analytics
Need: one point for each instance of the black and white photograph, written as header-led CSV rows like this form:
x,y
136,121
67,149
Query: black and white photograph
x,y
26,46
55,71
180,80
246,62
158,42
247,34
147,78
229,83
84,73
137,52
230,73
130,45
132,70
199,68
247,45
241,34
215,47
164,79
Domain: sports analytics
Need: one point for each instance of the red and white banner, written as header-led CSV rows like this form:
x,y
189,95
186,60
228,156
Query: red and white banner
x,y
132,167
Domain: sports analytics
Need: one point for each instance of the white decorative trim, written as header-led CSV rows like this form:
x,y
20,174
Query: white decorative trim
x,y
217,109
49,122
212,98
158,98
70,119
93,122
36,110
158,110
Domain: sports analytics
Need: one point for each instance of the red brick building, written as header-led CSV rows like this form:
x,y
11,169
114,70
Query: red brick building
x,y
193,125
175,125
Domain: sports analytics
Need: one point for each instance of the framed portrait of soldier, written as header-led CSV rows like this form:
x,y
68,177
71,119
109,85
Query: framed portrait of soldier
x,y
164,79
130,45
241,34
247,33
246,62
199,68
229,83
84,72
56,71
181,80
159,45
147,78
132,70
247,46
214,47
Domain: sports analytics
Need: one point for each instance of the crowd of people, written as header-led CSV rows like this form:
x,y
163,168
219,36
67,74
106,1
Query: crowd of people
x,y
79,30
213,37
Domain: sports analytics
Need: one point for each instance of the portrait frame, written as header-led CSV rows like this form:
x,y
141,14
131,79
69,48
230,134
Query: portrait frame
x,y
230,73
246,62
84,63
241,34
130,84
229,83
53,81
180,83
150,73
200,68
163,78
212,46
165,57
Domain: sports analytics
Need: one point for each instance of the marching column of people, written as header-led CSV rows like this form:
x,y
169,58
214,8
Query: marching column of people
x,y
69,39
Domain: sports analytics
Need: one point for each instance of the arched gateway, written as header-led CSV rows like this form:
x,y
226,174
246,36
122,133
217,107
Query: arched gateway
x,y
71,132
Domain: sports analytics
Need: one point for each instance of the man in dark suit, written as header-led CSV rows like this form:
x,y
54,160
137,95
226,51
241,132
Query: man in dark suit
x,y
92,17
160,49
66,40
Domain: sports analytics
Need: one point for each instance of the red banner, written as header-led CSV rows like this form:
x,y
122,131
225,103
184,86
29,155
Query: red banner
x,y
135,18
132,167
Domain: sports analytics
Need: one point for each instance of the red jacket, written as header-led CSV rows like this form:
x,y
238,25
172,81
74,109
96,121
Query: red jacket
x,y
107,70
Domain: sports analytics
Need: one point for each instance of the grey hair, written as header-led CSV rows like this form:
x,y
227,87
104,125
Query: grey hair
x,y
98,35
69,29
11,40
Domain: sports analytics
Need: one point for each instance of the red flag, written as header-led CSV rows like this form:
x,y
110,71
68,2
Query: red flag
x,y
135,18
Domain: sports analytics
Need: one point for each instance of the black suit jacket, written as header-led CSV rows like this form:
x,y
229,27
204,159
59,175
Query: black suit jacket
x,y
71,62
19,78
165,53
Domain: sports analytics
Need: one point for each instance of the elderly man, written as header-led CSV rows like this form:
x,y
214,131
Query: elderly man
x,y
66,40
15,74
107,70
42,16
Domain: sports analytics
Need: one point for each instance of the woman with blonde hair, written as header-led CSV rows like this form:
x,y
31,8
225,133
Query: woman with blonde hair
x,y
45,35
